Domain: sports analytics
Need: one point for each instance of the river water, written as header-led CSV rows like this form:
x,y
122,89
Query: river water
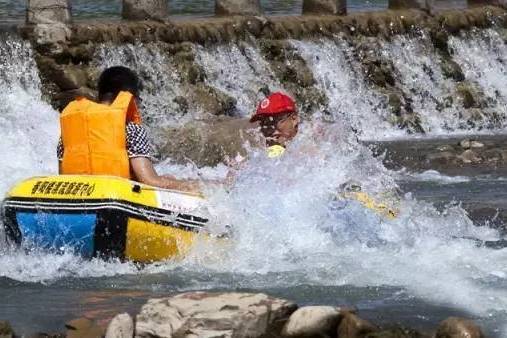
x,y
290,239
14,10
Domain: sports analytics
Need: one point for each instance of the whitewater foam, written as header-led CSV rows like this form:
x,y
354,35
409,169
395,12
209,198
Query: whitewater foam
x,y
344,84
26,119
240,71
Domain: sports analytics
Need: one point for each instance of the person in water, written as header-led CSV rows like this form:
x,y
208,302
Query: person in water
x,y
279,122
107,137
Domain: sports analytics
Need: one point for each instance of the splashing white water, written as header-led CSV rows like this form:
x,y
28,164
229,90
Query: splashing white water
x,y
240,71
344,85
286,222
483,58
160,81
30,127
419,71
431,176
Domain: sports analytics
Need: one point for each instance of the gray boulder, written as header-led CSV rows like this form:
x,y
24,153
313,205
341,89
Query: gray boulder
x,y
238,7
203,314
455,327
325,7
312,321
351,326
145,9
48,11
121,326
470,156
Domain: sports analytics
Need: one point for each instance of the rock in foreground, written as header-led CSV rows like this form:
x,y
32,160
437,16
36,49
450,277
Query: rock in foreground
x,y
454,327
122,326
203,314
312,321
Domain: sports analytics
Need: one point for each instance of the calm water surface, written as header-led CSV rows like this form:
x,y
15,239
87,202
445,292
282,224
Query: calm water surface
x,y
14,10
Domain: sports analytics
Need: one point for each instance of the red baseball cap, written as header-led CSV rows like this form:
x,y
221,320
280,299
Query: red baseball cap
x,y
274,104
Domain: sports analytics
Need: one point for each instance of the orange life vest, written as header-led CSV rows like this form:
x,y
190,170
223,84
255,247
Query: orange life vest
x,y
94,136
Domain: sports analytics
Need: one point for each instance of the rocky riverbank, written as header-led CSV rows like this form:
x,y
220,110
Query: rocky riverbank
x,y
237,315
470,155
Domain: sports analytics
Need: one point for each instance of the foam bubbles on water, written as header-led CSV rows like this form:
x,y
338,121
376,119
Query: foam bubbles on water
x,y
432,176
42,267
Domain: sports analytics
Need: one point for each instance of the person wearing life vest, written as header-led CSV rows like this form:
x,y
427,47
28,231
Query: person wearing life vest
x,y
279,122
107,137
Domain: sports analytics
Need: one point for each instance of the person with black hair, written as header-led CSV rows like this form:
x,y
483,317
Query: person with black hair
x,y
107,137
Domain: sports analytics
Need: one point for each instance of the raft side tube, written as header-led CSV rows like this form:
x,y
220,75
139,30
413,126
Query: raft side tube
x,y
100,216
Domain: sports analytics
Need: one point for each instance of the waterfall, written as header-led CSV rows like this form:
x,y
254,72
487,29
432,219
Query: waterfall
x,y
350,99
240,71
30,127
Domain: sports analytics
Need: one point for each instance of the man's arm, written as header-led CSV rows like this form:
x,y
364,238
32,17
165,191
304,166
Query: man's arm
x,y
143,169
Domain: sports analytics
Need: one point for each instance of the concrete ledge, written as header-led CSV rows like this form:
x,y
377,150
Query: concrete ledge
x,y
386,23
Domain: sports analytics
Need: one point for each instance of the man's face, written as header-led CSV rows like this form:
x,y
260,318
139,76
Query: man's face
x,y
287,128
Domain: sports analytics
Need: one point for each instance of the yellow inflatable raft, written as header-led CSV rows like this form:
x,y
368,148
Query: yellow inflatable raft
x,y
102,216
105,216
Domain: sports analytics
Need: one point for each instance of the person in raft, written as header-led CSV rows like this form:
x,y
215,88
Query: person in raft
x,y
107,137
279,122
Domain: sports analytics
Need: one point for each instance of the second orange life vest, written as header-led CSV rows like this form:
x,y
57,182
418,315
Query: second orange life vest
x,y
94,136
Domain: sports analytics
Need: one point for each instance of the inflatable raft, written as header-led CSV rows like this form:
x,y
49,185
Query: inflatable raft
x,y
99,216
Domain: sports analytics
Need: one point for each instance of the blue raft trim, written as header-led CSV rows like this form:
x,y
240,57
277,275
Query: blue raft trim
x,y
109,234
66,231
